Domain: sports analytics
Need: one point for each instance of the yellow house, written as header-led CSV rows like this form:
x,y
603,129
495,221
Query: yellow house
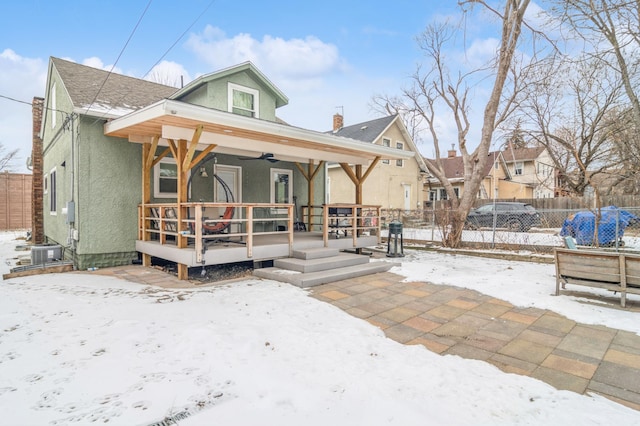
x,y
534,168
497,183
392,184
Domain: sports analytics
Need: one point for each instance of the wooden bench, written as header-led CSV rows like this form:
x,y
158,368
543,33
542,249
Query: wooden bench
x,y
618,272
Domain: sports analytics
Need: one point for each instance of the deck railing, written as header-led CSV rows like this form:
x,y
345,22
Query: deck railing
x,y
341,219
203,222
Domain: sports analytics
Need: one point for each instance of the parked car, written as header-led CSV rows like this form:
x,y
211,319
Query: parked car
x,y
512,216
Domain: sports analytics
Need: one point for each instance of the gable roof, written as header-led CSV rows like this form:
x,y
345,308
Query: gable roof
x,y
522,154
248,67
368,131
454,166
117,94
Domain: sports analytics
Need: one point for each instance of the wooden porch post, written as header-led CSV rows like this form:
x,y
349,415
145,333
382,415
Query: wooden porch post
x,y
358,179
183,178
148,151
310,175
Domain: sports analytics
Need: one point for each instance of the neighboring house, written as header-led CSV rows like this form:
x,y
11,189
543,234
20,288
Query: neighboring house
x,y
15,201
392,184
533,167
133,168
497,181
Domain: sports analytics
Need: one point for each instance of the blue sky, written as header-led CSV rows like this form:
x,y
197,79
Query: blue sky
x,y
320,54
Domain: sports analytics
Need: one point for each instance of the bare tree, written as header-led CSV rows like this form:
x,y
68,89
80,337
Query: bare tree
x,y
6,159
626,141
435,88
612,28
571,111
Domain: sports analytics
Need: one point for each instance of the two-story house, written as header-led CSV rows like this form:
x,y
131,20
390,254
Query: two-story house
x,y
392,184
497,181
533,167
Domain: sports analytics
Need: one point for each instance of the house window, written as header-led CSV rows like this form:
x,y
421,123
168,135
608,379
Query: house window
x,y
45,183
400,146
243,100
432,195
386,142
443,194
52,192
281,187
165,176
518,167
457,192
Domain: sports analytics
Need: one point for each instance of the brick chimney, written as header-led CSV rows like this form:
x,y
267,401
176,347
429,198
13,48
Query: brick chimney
x,y
452,152
37,191
338,122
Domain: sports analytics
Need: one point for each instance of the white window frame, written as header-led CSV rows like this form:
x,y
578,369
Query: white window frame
x,y
400,146
45,184
386,142
272,189
256,97
53,202
518,168
156,179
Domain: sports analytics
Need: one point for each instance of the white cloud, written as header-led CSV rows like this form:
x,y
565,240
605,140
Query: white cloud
x,y
295,61
169,73
96,62
21,79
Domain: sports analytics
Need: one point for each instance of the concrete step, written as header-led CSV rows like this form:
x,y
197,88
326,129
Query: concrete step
x,y
310,279
316,253
340,260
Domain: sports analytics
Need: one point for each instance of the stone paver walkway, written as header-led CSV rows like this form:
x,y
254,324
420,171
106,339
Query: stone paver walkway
x,y
450,320
528,341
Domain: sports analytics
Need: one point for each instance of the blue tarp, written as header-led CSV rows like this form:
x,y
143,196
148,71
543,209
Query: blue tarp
x,y
582,224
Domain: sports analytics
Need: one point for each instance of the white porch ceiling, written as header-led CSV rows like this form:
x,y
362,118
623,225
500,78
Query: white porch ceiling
x,y
239,135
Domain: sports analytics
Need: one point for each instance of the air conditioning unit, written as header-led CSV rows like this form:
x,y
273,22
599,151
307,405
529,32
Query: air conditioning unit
x,y
45,253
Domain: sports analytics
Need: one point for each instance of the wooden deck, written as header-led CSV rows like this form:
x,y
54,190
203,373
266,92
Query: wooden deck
x,y
252,234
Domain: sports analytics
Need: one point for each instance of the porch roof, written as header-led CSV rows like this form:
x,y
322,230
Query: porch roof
x,y
239,135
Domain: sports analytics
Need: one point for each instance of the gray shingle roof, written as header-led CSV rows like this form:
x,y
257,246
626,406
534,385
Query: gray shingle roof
x,y
454,166
522,154
120,93
367,131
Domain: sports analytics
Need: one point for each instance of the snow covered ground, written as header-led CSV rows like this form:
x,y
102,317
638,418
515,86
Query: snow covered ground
x,y
81,348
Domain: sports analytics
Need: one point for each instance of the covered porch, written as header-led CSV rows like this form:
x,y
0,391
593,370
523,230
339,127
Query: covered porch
x,y
208,232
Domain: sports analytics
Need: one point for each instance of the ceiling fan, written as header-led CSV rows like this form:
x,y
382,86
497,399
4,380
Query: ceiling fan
x,y
265,156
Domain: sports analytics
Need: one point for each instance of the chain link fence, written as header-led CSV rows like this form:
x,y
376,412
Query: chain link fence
x,y
539,231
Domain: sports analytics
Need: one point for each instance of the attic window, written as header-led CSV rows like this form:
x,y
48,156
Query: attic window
x,y
243,100
363,128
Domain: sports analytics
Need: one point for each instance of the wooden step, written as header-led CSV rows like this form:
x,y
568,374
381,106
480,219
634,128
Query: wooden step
x,y
342,260
310,279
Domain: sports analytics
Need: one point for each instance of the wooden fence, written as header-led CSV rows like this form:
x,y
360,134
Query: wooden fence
x,y
561,203
15,201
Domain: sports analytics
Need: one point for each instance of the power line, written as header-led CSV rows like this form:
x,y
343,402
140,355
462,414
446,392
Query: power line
x,y
161,57
180,37
144,12
31,104
16,100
